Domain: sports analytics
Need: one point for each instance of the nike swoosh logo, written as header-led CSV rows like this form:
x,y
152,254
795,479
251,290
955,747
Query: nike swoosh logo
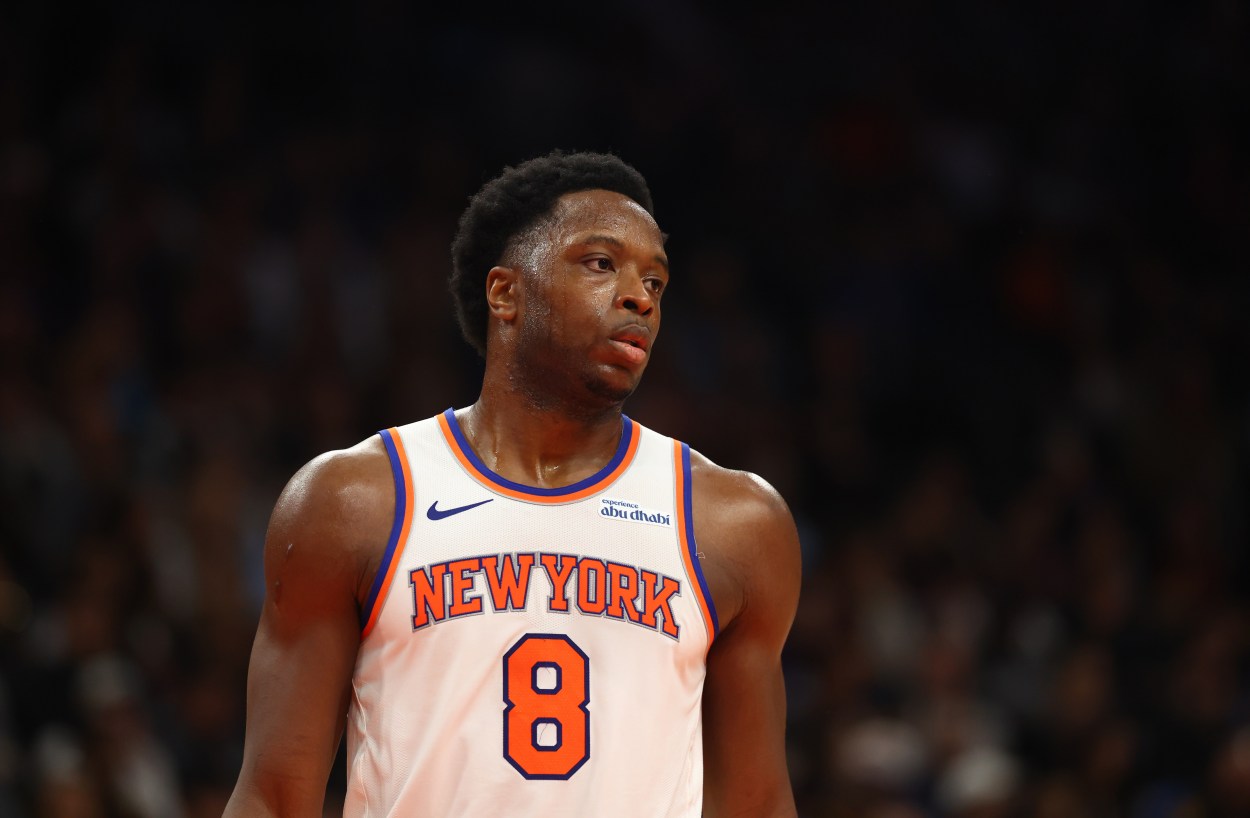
x,y
435,513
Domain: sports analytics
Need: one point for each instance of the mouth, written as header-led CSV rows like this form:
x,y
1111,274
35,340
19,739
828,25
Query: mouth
x,y
632,344
634,338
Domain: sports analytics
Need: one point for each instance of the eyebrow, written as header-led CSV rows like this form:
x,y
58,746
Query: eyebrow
x,y
620,245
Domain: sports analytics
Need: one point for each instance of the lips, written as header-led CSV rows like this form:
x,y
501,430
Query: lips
x,y
634,337
632,343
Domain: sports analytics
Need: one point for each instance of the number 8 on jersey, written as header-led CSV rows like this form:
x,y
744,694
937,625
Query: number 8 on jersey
x,y
546,725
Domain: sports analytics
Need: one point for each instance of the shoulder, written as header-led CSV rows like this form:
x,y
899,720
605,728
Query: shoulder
x,y
339,487
748,497
336,512
747,540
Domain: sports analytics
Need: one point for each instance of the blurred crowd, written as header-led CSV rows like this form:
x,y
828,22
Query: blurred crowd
x,y
966,284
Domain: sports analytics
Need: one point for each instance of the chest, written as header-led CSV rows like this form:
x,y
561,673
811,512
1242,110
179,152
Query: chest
x,y
467,543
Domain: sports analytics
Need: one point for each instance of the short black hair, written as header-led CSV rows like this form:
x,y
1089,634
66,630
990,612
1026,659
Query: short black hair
x,y
515,201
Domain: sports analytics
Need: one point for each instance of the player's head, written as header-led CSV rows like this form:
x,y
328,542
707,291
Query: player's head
x,y
511,205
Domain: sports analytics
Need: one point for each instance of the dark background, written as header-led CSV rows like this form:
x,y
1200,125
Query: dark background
x,y
965,283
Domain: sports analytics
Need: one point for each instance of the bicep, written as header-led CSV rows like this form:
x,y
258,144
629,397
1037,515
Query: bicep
x,y
744,713
297,693
299,676
744,695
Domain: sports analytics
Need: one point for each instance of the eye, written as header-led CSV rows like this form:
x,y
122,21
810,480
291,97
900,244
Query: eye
x,y
601,263
655,285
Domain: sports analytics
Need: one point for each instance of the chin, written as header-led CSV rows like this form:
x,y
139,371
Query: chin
x,y
612,390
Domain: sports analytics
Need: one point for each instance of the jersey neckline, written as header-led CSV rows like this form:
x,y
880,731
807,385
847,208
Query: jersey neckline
x,y
600,480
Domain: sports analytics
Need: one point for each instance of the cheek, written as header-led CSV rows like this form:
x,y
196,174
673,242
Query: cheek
x,y
540,311
550,319
578,315
569,314
557,317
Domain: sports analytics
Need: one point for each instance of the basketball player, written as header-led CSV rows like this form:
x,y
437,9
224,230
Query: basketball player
x,y
531,606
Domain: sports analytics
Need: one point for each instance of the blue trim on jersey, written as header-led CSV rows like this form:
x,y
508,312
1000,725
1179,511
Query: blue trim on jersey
x,y
392,541
628,431
687,502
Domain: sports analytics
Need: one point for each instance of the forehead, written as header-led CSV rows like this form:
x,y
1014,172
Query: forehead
x,y
604,211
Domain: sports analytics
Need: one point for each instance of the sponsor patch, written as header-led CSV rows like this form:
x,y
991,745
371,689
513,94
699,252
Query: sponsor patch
x,y
632,512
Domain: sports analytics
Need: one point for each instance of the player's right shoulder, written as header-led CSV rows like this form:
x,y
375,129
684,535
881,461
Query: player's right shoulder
x,y
338,509
342,485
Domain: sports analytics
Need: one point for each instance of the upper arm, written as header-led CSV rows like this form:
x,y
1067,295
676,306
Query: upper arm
x,y
752,548
330,517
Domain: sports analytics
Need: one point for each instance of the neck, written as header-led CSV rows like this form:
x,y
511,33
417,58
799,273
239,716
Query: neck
x,y
539,440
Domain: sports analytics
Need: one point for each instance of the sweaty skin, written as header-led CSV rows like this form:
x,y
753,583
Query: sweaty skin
x,y
574,310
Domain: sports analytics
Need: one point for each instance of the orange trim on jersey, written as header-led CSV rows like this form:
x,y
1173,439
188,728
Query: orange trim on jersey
x,y
685,531
395,548
478,471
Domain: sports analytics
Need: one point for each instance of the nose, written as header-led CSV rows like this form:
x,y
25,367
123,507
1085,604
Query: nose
x,y
632,295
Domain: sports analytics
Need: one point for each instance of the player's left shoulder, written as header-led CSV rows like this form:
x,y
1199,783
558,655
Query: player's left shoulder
x,y
741,497
747,539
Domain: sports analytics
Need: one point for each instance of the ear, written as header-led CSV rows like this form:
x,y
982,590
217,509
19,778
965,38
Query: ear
x,y
501,292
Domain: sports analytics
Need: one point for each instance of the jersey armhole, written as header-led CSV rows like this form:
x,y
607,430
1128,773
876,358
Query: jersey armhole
x,y
399,530
689,549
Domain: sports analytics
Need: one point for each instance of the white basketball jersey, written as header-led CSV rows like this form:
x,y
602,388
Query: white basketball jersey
x,y
532,652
